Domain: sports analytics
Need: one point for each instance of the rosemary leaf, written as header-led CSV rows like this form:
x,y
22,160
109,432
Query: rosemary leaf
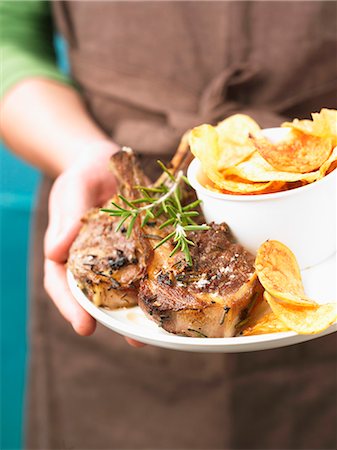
x,y
165,208
142,200
148,215
148,189
191,214
165,169
186,180
177,199
169,236
119,226
176,249
191,205
126,201
171,210
167,223
131,224
190,221
196,227
116,205
113,212
187,253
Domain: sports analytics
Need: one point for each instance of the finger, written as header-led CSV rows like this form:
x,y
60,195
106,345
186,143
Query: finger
x,y
57,248
69,200
134,343
57,287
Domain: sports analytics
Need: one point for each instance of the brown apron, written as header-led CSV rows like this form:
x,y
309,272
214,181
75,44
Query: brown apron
x,y
149,71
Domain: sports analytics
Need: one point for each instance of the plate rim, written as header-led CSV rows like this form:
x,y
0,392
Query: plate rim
x,y
185,343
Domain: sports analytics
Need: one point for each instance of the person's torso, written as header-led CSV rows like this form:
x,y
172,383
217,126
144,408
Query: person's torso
x,y
150,70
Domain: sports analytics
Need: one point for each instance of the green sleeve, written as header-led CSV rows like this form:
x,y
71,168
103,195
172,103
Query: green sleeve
x,y
26,43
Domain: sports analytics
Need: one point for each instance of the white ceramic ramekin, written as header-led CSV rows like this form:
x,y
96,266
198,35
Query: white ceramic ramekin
x,y
303,218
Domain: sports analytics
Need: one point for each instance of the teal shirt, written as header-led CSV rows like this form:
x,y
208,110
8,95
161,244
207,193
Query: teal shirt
x,y
26,43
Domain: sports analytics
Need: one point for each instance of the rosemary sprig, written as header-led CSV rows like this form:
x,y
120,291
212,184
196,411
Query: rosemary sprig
x,y
163,200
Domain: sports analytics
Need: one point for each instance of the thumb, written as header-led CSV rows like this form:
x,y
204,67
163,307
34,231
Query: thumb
x,y
57,243
68,202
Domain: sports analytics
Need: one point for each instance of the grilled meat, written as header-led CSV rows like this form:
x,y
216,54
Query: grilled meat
x,y
209,299
106,264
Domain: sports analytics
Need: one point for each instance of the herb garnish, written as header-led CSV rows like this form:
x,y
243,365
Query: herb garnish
x,y
199,333
162,201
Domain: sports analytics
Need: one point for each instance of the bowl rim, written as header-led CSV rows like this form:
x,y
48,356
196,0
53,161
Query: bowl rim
x,y
195,166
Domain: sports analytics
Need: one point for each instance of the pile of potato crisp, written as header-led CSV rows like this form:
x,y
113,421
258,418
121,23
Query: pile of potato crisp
x,y
284,305
239,160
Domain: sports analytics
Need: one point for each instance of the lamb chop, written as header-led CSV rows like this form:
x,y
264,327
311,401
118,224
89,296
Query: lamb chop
x,y
106,264
212,297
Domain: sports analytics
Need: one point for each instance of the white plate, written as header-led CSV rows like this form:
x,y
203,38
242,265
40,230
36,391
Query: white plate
x,y
319,283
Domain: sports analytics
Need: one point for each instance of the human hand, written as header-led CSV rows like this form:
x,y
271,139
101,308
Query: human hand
x,y
85,184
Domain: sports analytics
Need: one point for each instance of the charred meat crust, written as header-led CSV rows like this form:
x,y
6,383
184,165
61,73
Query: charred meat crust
x,y
211,298
208,318
106,265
